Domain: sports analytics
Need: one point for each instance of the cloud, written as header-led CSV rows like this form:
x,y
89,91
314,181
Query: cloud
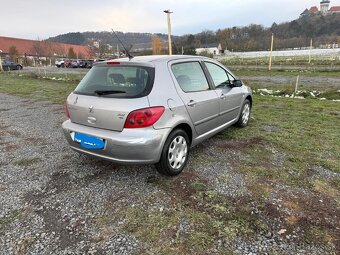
x,y
41,18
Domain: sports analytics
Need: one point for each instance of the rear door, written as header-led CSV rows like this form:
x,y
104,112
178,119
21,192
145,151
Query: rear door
x,y
230,97
199,99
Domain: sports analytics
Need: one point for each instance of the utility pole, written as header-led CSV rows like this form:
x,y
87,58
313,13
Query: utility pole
x,y
271,52
310,51
168,12
1,69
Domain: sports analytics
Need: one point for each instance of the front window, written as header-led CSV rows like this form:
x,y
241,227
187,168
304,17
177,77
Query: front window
x,y
219,76
117,81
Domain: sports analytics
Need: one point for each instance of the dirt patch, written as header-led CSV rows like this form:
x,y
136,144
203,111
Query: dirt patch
x,y
9,146
35,141
106,170
242,144
59,182
57,110
13,133
185,185
316,216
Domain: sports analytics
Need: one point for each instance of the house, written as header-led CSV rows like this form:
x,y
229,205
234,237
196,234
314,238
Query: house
x,y
324,9
41,50
214,48
334,9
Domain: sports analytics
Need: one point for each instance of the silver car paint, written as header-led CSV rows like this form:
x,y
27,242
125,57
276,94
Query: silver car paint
x,y
142,145
210,115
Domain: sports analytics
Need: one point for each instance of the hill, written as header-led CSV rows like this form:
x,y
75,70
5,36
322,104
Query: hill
x,y
294,34
106,37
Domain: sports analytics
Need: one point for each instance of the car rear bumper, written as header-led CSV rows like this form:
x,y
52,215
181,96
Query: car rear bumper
x,y
131,146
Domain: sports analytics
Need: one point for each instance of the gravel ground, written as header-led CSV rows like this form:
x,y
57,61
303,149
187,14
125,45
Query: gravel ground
x,y
51,195
53,200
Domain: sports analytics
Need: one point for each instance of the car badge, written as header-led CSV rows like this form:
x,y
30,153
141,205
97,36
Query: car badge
x,y
91,108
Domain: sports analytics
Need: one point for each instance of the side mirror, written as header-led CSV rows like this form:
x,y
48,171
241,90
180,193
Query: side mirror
x,y
237,83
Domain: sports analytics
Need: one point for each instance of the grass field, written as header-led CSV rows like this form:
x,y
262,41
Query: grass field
x,y
329,61
290,161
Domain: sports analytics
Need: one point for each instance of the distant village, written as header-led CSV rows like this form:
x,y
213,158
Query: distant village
x,y
325,9
36,52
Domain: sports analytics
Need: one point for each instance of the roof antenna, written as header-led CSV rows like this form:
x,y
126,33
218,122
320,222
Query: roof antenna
x,y
126,51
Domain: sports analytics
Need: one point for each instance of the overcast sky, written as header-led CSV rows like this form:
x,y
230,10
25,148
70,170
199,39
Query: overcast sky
x,y
41,19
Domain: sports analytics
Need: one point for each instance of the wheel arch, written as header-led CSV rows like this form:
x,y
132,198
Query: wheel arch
x,y
250,98
187,129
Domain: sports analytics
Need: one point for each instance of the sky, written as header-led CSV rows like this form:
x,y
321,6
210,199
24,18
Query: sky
x,y
41,19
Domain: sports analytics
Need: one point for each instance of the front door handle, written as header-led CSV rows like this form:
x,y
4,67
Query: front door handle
x,y
192,103
222,96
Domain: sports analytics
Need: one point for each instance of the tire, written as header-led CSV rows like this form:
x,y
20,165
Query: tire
x,y
175,153
19,67
62,65
244,115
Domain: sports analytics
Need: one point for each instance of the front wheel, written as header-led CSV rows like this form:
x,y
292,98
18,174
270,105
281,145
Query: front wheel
x,y
175,153
245,114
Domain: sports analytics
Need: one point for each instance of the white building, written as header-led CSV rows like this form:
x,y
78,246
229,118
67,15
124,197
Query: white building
x,y
215,49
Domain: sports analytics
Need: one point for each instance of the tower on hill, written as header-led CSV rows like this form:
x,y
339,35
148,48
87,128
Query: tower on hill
x,y
324,6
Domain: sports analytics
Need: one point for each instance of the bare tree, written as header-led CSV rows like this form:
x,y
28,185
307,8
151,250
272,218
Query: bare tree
x,y
13,53
38,48
71,54
157,45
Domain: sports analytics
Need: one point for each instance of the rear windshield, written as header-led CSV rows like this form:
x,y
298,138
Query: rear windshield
x,y
117,81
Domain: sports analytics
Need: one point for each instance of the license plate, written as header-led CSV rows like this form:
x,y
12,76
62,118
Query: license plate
x,y
87,141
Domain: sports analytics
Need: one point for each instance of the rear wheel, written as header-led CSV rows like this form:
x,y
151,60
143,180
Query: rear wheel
x,y
245,114
175,153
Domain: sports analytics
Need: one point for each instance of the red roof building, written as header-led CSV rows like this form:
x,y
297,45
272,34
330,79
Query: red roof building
x,y
334,9
42,48
324,9
313,9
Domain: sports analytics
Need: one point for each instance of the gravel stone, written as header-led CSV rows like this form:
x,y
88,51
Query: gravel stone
x,y
55,201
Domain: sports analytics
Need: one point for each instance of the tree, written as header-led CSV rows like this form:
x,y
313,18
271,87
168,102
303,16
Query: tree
x,y
189,50
103,49
38,48
71,54
13,53
157,45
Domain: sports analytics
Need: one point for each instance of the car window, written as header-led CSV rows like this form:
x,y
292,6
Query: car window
x,y
190,76
219,75
127,81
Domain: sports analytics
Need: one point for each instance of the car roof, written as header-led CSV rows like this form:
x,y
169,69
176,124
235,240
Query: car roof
x,y
158,58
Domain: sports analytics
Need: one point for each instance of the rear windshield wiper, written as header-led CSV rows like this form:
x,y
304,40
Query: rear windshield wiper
x,y
108,92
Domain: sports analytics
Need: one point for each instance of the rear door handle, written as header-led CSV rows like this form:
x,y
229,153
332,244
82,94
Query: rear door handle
x,y
192,103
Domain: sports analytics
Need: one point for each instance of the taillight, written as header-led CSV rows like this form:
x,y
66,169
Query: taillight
x,y
143,117
113,63
66,111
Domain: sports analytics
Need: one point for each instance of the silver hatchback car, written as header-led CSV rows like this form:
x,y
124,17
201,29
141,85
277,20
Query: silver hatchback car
x,y
153,109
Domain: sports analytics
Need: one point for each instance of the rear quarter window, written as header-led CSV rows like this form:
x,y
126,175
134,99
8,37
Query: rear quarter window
x,y
130,81
190,76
